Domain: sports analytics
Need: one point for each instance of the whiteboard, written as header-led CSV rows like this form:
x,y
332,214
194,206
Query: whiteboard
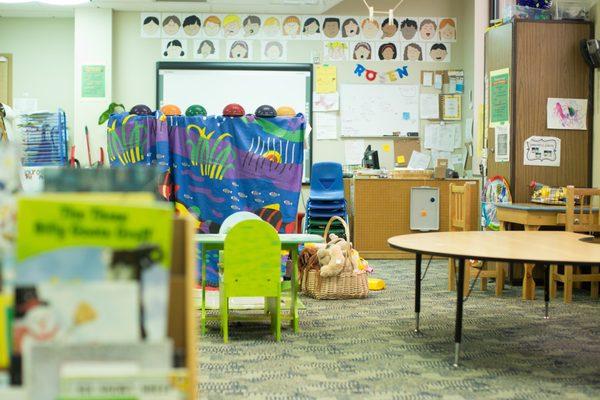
x,y
372,110
216,88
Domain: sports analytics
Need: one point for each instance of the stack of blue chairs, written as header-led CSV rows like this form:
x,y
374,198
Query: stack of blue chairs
x,y
326,199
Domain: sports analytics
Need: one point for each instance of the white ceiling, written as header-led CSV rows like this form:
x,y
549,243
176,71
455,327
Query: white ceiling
x,y
34,9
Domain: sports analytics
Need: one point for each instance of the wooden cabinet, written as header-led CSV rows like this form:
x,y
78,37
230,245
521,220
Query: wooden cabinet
x,y
380,209
545,62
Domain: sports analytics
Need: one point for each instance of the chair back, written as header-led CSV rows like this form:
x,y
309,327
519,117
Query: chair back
x,y
326,177
236,218
460,206
583,217
252,260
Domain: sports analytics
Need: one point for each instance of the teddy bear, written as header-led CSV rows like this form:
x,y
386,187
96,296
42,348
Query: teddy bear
x,y
335,256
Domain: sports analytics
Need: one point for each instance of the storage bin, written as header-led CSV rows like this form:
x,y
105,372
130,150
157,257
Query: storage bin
x,y
524,12
573,9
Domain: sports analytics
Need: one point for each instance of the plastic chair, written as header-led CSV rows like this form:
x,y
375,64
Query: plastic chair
x,y
318,205
326,182
251,268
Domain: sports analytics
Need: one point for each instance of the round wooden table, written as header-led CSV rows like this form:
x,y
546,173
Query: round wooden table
x,y
543,248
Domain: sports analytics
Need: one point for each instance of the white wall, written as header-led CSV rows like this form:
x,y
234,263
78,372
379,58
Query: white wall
x,y
93,46
135,60
42,50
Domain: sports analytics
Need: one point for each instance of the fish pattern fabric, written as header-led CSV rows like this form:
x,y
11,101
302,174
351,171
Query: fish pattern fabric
x,y
215,166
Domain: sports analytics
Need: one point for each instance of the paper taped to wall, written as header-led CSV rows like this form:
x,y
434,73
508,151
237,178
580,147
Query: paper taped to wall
x,y
419,160
325,125
502,143
542,151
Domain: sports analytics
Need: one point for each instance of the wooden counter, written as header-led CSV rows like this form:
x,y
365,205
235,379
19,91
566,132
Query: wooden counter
x,y
380,209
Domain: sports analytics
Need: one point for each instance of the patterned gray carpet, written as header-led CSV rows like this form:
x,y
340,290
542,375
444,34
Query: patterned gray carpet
x,y
366,349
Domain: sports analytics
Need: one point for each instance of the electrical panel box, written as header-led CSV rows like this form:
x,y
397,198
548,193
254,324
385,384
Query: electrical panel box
x,y
424,209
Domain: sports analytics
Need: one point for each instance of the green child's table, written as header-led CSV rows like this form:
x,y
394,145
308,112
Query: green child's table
x,y
289,242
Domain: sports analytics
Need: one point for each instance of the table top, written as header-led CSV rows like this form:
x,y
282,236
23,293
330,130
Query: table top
x,y
535,207
541,247
286,238
532,207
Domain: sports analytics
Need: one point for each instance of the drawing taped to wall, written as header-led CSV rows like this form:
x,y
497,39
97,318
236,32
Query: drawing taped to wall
x,y
191,25
273,50
171,25
150,25
239,50
414,39
206,49
306,27
174,49
335,51
566,114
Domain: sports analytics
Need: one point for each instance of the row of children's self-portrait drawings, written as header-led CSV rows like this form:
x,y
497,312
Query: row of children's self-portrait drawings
x,y
297,27
276,50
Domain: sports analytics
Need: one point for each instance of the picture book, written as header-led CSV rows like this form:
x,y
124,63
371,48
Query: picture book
x,y
91,271
9,185
5,329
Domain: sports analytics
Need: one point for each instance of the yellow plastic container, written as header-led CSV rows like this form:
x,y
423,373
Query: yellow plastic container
x,y
376,284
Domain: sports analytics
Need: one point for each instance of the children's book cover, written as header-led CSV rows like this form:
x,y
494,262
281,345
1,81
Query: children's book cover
x,y
77,259
9,186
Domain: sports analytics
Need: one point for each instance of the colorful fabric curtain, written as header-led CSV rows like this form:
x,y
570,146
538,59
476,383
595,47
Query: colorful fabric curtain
x,y
215,166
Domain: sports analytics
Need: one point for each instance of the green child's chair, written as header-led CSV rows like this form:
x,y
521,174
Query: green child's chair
x,y
251,268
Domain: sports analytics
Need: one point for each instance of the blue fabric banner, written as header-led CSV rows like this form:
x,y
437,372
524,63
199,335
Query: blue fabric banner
x,y
215,166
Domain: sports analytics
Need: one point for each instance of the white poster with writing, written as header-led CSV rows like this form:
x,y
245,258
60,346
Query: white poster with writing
x,y
542,151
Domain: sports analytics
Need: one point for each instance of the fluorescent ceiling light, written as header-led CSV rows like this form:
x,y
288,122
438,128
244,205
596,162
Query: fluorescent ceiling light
x,y
51,2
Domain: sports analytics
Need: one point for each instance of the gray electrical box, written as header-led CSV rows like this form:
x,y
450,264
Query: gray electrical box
x,y
424,209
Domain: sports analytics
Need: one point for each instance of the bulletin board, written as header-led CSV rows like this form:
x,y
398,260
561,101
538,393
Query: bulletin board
x,y
374,110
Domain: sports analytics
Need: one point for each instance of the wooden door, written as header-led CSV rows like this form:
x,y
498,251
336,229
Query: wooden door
x,y
549,64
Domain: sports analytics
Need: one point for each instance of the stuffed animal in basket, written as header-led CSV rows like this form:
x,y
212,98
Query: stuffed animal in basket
x,y
334,257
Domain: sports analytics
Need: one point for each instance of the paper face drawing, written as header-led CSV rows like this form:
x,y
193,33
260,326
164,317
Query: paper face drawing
x,y
413,52
171,25
387,51
408,28
291,26
311,27
251,25
362,51
232,25
331,27
350,28
428,29
239,50
271,27
191,25
212,26
438,52
447,32
370,29
389,28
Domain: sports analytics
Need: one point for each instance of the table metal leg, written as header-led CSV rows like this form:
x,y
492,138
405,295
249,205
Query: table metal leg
x,y
294,290
203,307
417,290
459,310
546,289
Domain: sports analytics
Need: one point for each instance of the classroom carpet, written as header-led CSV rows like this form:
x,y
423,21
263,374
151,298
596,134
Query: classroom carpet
x,y
367,349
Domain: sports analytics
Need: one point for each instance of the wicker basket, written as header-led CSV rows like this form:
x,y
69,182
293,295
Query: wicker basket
x,y
347,285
